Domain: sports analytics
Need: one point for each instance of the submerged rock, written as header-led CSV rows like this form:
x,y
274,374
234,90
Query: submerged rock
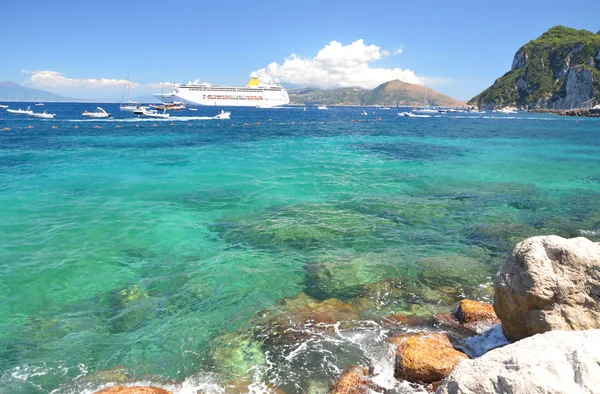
x,y
304,310
236,354
554,362
246,386
356,380
549,283
425,357
133,390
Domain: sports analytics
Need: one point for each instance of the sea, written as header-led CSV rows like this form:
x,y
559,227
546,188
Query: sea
x,y
271,250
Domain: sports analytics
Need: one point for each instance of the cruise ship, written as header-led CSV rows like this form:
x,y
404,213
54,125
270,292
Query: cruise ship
x,y
252,95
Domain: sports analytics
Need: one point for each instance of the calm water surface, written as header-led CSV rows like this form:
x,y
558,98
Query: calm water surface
x,y
163,251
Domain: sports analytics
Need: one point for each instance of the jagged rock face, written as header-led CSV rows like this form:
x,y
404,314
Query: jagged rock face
x,y
579,89
554,362
519,60
549,283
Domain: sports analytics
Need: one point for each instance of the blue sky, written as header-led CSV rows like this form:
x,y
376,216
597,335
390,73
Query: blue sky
x,y
84,49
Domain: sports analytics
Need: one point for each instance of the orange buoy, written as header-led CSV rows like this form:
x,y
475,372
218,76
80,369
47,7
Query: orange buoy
x,y
97,127
258,123
154,125
53,126
30,127
6,129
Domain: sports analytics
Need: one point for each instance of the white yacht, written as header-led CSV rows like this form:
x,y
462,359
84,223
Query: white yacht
x,y
153,113
322,107
222,115
20,111
3,106
253,95
43,115
99,113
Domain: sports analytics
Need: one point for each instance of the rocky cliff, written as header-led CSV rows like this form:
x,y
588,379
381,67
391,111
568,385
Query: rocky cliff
x,y
558,70
391,93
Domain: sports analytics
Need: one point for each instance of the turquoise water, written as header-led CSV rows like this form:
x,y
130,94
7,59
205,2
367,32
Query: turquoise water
x,y
162,249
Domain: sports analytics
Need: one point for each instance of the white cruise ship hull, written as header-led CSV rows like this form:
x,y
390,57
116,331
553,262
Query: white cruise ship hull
x,y
227,96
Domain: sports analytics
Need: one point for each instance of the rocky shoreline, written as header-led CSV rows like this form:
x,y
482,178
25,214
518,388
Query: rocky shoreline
x,y
592,113
546,302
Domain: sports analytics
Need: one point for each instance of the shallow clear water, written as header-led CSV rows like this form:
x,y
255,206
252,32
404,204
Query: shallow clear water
x,y
159,248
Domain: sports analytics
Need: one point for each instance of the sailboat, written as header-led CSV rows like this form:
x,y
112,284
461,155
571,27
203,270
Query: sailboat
x,y
427,109
130,106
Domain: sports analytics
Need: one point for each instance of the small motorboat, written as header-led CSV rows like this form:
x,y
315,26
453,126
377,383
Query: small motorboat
x,y
322,107
152,113
20,111
43,115
99,113
39,104
364,113
4,106
193,109
222,115
408,114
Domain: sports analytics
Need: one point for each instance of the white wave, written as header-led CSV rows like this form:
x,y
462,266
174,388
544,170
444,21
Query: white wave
x,y
136,120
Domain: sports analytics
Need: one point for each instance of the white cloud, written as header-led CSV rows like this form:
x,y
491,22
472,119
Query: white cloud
x,y
55,79
47,79
337,65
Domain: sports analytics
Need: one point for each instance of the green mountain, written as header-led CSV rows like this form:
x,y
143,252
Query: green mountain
x,y
12,91
389,94
558,70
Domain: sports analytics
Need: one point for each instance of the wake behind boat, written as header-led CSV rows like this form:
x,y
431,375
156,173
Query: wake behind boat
x,y
20,111
99,113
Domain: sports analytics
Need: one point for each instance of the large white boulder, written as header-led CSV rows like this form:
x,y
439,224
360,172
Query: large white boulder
x,y
556,362
549,283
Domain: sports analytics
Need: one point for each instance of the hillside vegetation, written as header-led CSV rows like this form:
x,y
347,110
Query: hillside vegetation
x,y
559,69
391,93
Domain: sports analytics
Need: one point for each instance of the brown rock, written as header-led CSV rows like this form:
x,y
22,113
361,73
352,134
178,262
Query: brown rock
x,y
425,357
133,390
356,380
549,283
475,315
402,318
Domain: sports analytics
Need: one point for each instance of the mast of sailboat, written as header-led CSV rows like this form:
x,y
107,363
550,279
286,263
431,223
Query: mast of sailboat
x,y
126,88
